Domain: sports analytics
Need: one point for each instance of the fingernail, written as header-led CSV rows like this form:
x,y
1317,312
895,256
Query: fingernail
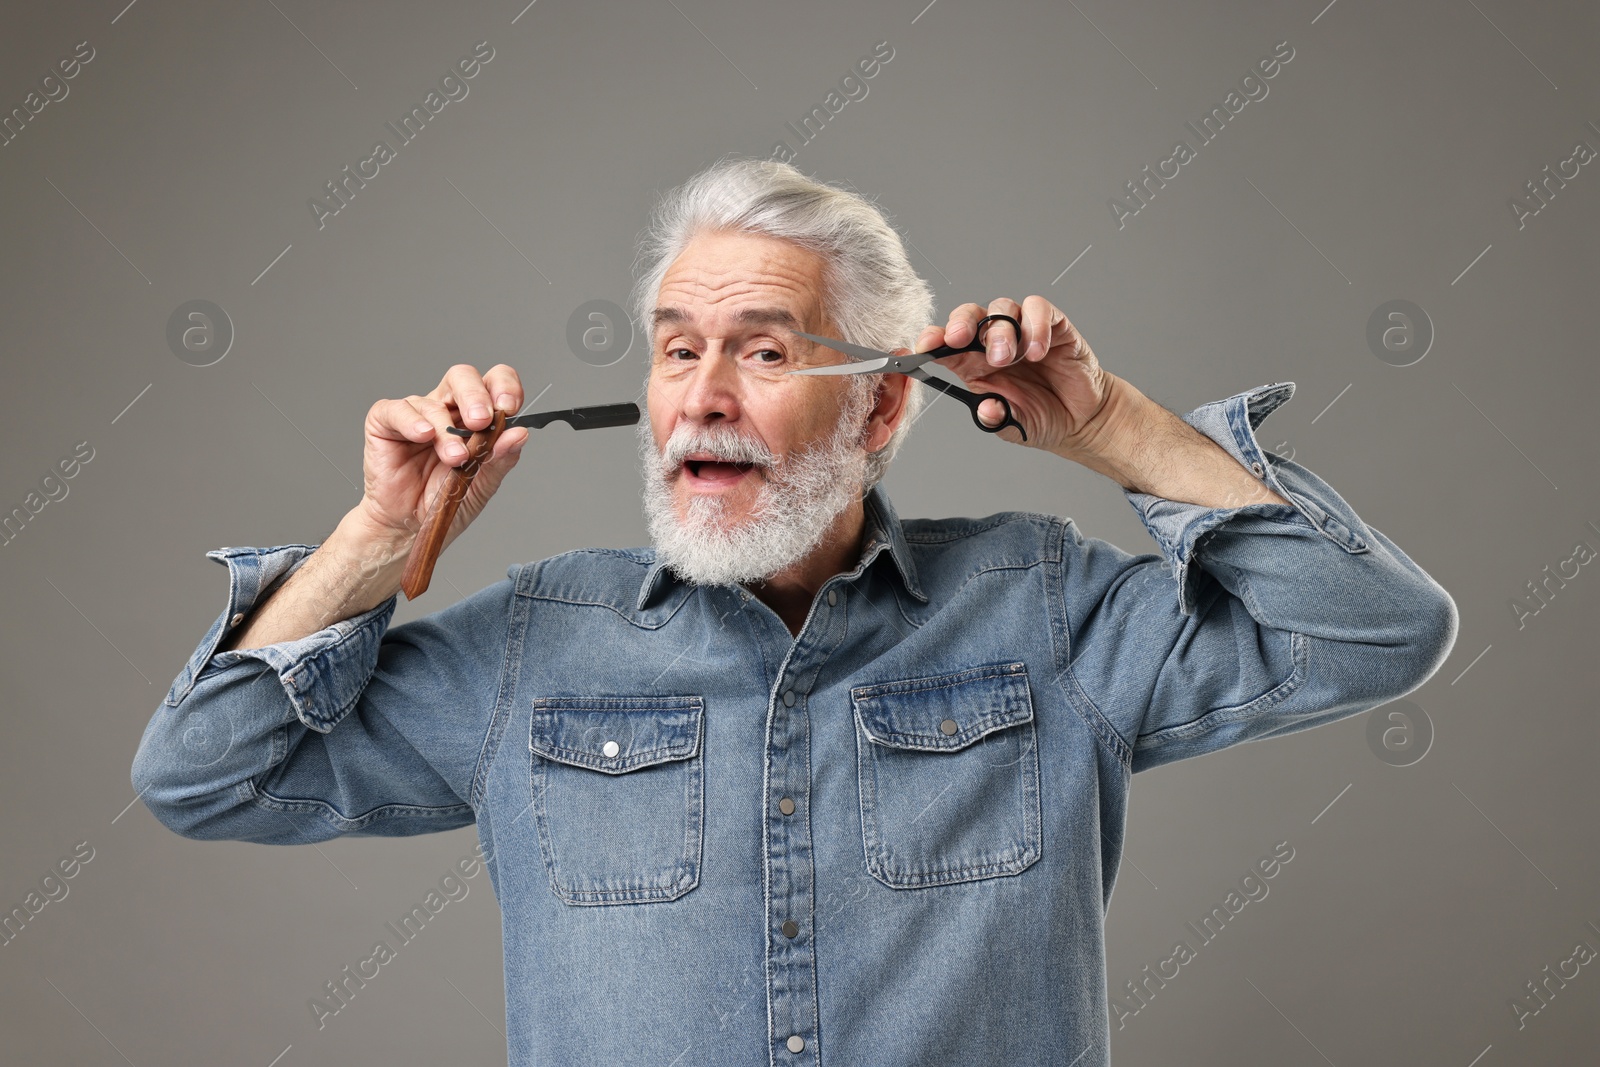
x,y
457,451
505,402
1035,349
479,411
421,426
999,352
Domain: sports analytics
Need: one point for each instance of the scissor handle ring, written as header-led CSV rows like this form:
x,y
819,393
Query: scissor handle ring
x,y
977,332
1009,420
977,340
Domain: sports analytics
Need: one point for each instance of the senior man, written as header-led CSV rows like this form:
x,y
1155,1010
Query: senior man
x,y
805,783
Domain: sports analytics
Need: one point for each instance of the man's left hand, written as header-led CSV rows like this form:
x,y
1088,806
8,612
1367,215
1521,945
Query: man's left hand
x,y
1056,387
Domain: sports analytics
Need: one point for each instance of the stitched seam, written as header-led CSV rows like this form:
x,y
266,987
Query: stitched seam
x,y
899,739
510,676
1023,856
930,537
347,822
1276,695
588,604
1066,678
301,699
688,860
943,681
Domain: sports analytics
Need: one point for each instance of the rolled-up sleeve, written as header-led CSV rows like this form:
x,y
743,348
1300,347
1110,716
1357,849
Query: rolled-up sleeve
x,y
358,728
1254,621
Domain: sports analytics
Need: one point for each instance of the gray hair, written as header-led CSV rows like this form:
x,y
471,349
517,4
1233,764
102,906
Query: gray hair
x,y
869,287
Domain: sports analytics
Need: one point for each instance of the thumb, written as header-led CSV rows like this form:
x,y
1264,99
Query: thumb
x,y
491,472
494,469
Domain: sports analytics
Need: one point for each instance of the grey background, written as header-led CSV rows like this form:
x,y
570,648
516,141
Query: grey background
x,y
1382,159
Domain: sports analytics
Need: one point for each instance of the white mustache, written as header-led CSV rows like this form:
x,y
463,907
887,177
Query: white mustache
x,y
727,445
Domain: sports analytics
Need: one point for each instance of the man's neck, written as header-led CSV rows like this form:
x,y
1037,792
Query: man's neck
x,y
791,591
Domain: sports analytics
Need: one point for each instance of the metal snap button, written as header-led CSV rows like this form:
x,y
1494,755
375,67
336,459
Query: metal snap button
x,y
786,806
791,928
237,619
796,1043
788,698
1256,467
948,727
610,748
833,597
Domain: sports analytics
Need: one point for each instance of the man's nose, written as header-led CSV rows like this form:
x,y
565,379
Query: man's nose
x,y
713,391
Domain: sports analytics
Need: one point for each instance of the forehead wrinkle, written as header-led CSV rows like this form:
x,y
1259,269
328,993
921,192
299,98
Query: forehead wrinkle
x,y
681,307
771,270
701,287
737,284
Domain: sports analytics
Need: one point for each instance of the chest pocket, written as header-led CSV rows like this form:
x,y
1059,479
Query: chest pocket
x,y
618,796
949,776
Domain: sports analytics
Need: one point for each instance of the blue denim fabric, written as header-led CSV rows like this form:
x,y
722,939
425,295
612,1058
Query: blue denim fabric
x,y
956,726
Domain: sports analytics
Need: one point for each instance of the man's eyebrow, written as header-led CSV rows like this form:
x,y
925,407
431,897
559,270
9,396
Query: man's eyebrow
x,y
767,317
748,317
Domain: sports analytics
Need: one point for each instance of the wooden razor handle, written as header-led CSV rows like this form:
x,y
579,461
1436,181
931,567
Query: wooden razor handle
x,y
430,539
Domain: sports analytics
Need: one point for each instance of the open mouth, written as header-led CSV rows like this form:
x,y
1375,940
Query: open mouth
x,y
708,472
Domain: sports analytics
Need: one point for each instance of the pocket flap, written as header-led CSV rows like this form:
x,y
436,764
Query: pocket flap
x,y
616,734
945,712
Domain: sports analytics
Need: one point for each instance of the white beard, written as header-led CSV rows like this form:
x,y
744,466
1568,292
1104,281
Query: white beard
x,y
799,499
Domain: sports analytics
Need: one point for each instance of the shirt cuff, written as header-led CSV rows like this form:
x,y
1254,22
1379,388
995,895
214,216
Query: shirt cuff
x,y
1182,529
323,673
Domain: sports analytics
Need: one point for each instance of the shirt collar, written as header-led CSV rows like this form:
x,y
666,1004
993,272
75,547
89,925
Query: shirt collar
x,y
881,533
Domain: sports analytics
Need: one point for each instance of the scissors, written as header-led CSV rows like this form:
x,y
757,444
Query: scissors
x,y
876,362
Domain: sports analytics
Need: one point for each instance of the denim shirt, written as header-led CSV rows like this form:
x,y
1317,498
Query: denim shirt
x,y
889,840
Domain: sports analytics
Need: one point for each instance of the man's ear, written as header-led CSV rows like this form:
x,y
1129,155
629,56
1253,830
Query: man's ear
x,y
890,407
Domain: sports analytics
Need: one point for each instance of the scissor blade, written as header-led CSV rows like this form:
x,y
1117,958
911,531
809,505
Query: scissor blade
x,y
871,366
857,351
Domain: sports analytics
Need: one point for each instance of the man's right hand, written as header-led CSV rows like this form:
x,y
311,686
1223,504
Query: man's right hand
x,y
408,452
405,461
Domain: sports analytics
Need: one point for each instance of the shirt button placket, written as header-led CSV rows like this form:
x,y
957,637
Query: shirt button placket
x,y
792,971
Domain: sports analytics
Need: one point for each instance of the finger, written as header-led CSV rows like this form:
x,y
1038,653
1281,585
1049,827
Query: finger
x,y
1000,341
510,442
1043,327
930,338
451,448
463,386
992,412
962,325
503,383
399,420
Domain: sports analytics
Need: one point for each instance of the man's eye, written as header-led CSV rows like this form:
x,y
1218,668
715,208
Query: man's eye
x,y
769,352
673,352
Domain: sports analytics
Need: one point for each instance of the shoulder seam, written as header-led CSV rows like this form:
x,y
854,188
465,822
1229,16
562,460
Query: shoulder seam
x,y
973,526
486,751
1066,678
